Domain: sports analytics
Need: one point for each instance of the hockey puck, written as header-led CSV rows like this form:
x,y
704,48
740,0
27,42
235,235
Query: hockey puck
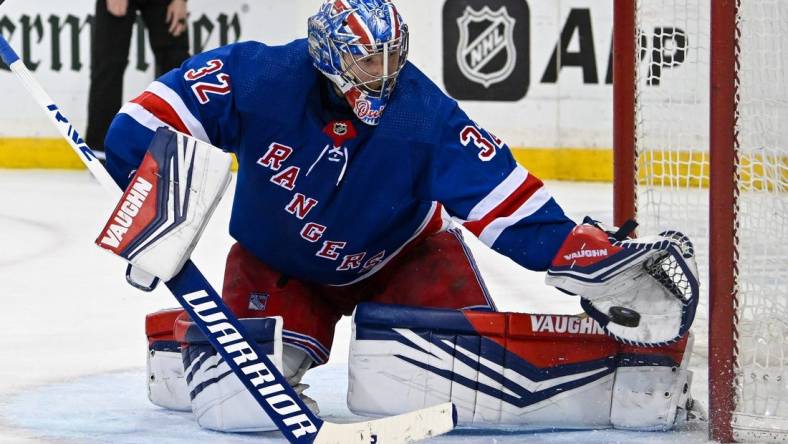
x,y
624,316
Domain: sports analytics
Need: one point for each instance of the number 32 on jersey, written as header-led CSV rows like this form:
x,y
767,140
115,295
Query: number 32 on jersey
x,y
221,85
486,142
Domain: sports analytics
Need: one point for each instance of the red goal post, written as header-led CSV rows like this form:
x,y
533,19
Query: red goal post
x,y
700,111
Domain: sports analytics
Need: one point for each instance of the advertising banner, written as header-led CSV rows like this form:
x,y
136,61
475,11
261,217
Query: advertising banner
x,y
535,72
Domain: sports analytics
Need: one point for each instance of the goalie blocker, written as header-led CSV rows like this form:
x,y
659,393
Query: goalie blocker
x,y
166,206
537,371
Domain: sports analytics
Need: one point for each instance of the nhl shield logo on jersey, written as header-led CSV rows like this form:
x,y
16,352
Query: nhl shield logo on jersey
x,y
340,128
486,52
340,131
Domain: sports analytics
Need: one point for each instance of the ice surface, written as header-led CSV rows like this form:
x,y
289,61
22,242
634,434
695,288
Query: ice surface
x,y
72,347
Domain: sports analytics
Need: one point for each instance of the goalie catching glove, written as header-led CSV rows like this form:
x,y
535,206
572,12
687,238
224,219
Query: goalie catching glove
x,y
641,291
167,204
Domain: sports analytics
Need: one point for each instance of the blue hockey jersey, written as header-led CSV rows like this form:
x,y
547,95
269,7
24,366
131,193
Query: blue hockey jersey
x,y
321,196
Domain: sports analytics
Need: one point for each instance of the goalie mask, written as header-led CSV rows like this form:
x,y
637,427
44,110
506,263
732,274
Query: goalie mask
x,y
361,46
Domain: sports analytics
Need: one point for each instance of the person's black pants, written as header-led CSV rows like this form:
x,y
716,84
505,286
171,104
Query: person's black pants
x,y
109,57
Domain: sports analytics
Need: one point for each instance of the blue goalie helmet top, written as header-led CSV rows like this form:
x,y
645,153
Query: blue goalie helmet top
x,y
361,46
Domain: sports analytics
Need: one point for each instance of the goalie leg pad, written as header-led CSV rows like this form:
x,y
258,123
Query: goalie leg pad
x,y
219,400
499,369
167,204
166,383
652,397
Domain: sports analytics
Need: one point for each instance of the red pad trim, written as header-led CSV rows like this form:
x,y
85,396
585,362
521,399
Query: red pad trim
x,y
159,326
549,343
182,324
585,245
675,350
135,211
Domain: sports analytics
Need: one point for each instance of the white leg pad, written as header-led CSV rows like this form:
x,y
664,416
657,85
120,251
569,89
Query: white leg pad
x,y
405,358
649,398
219,400
652,398
166,384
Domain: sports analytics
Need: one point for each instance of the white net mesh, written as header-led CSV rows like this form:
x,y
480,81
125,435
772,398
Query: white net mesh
x,y
673,176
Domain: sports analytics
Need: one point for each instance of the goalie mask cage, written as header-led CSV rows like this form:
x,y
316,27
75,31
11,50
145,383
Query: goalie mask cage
x,y
700,135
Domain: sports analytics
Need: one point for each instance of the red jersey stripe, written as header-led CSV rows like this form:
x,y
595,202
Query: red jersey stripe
x,y
162,110
506,208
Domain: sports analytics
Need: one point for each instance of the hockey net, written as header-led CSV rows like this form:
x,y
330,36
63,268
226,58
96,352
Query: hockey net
x,y
731,200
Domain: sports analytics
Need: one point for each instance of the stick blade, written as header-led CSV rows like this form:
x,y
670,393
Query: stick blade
x,y
401,429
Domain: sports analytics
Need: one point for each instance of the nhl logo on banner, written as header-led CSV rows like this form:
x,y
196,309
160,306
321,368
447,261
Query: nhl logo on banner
x,y
486,49
486,52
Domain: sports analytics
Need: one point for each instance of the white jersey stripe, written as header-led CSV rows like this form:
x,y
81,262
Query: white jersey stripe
x,y
502,192
491,233
176,102
142,116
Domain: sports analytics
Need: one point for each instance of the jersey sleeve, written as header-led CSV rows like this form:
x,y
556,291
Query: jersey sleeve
x,y
474,175
196,99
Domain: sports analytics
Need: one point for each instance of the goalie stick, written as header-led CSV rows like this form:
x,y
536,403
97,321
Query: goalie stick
x,y
258,374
